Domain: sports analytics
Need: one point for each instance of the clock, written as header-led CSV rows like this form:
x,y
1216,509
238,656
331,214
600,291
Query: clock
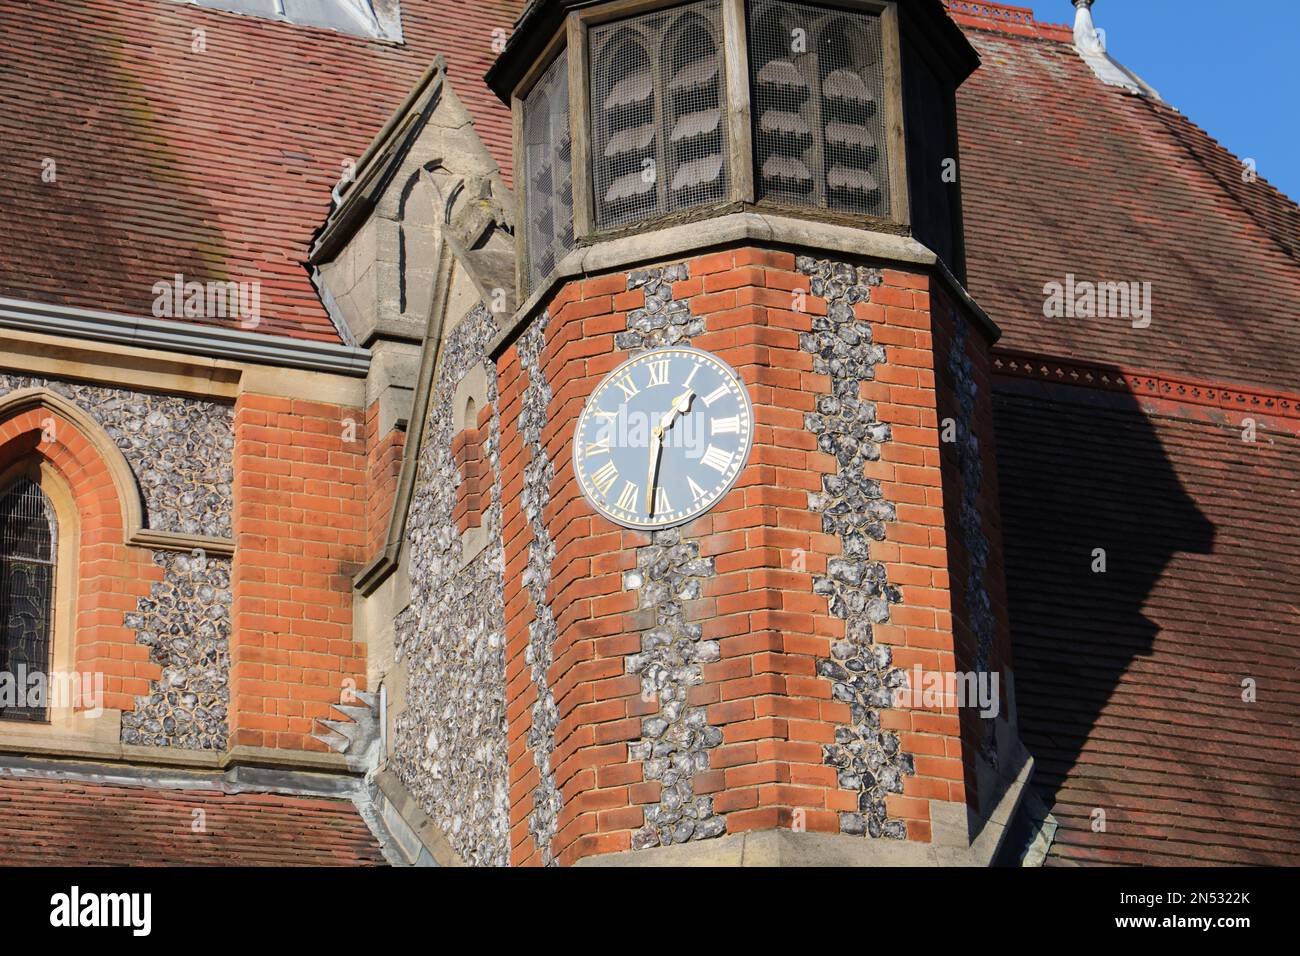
x,y
663,437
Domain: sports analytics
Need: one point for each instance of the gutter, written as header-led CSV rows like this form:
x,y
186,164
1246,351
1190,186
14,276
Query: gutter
x,y
236,345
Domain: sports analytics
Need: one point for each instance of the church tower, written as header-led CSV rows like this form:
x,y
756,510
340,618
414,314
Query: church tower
x,y
755,609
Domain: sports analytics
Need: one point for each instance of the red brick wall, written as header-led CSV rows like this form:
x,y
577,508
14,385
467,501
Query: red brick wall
x,y
111,577
521,693
474,493
300,526
976,349
775,712
383,468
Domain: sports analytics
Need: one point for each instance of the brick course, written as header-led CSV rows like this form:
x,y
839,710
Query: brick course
x,y
300,535
474,493
383,469
774,710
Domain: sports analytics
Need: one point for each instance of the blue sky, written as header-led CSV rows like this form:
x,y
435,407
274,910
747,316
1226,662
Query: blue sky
x,y
1232,67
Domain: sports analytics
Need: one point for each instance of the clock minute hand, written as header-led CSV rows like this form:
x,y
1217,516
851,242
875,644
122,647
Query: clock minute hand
x,y
656,449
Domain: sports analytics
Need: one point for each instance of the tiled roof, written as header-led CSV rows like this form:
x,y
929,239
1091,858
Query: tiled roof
x,y
56,822
1017,21
1064,174
1129,683
215,164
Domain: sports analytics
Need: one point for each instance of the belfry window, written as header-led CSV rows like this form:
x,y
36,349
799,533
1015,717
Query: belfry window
x,y
647,115
818,78
28,536
548,163
658,101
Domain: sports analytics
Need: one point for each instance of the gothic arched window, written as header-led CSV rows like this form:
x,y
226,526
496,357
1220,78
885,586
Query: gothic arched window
x,y
28,533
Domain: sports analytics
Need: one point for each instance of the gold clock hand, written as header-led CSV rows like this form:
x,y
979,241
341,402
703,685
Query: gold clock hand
x,y
656,449
681,405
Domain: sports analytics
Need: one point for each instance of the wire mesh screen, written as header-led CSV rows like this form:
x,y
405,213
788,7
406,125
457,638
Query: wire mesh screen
x,y
817,81
27,536
659,130
548,159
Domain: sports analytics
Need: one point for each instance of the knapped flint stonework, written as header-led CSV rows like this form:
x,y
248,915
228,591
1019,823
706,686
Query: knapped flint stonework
x,y
675,742
180,449
449,746
970,466
185,623
538,473
663,320
868,759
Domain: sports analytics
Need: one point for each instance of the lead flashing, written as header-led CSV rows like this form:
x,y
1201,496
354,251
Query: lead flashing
x,y
190,339
1090,44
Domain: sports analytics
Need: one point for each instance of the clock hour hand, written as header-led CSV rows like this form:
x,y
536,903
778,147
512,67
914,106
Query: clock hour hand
x,y
681,405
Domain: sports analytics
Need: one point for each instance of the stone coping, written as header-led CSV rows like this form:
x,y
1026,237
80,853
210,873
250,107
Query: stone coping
x,y
688,239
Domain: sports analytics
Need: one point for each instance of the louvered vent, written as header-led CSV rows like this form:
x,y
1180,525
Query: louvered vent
x,y
548,185
817,85
658,125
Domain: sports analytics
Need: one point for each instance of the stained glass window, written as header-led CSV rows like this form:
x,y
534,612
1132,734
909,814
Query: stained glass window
x,y
27,543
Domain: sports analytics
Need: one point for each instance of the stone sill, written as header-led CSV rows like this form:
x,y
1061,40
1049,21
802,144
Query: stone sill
x,y
98,740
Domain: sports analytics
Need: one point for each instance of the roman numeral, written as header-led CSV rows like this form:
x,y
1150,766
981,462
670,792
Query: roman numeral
x,y
696,491
716,394
627,386
658,373
627,500
599,446
661,502
604,478
726,426
716,458
695,369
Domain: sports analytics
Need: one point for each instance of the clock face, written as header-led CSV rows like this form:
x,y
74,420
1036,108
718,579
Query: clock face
x,y
663,437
